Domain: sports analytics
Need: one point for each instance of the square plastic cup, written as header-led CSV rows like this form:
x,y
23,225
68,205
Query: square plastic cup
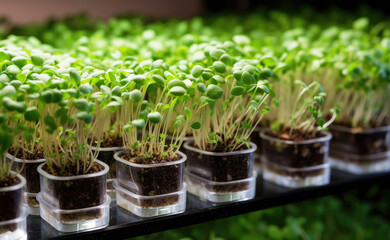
x,y
150,190
296,164
74,203
360,151
221,177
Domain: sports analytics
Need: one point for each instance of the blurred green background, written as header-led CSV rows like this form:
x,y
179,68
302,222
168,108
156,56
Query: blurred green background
x,y
354,215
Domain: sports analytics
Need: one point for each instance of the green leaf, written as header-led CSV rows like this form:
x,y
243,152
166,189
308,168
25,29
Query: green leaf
x,y
84,116
226,59
177,91
214,92
219,66
12,105
136,96
85,88
245,125
158,79
74,76
196,125
116,91
188,113
37,60
176,82
268,62
197,71
138,123
19,61
106,90
319,100
237,91
216,53
8,90
32,114
82,104
154,117
201,87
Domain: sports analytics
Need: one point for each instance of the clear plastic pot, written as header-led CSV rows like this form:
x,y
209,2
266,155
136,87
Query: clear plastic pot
x,y
136,182
32,188
296,164
12,211
360,151
84,196
255,138
106,155
224,176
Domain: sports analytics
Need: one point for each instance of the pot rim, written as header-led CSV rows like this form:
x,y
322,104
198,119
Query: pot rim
x,y
107,149
19,160
359,130
181,160
328,136
68,178
17,186
187,146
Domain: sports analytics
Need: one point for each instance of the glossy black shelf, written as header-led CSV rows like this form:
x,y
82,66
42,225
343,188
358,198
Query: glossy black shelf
x,y
125,225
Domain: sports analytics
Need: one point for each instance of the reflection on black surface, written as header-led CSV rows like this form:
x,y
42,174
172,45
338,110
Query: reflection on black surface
x,y
39,229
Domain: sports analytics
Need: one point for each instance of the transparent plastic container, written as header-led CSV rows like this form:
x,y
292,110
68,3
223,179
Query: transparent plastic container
x,y
12,211
221,177
158,205
14,229
255,138
74,203
32,188
220,192
76,220
360,151
163,182
106,155
296,164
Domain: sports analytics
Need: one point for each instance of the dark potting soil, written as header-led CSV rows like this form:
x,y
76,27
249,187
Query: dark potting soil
x,y
359,143
294,156
296,134
153,181
10,203
111,141
222,168
26,155
76,194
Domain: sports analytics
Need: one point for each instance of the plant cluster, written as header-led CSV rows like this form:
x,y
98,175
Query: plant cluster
x,y
142,82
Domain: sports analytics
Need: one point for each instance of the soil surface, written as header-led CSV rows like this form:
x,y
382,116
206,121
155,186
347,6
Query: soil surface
x,y
296,134
10,180
26,155
135,158
111,141
10,203
55,171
